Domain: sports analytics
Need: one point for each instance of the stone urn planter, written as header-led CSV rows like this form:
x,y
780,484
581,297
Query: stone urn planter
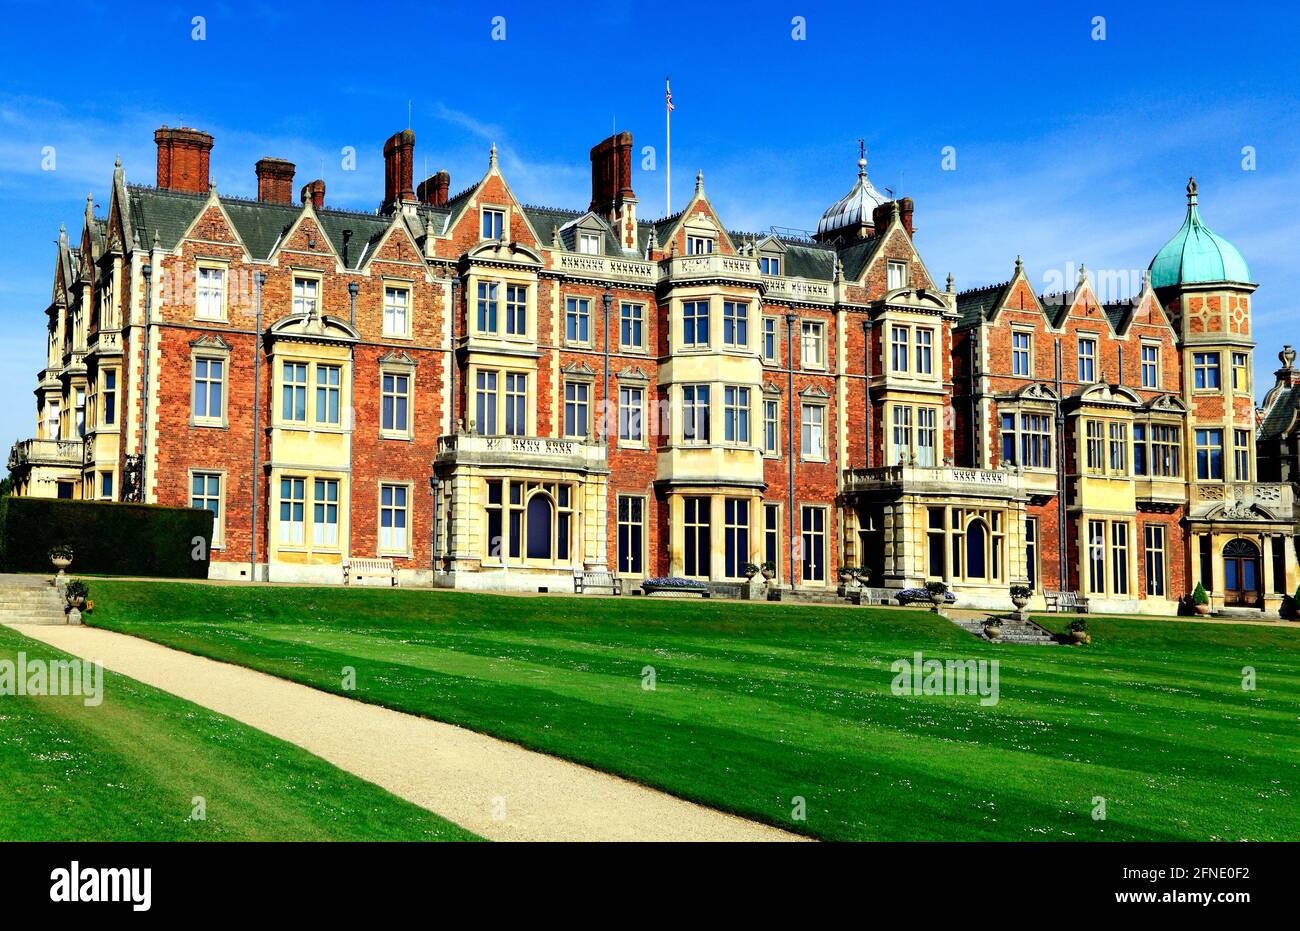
x,y
1020,596
1202,610
993,631
938,593
768,571
61,557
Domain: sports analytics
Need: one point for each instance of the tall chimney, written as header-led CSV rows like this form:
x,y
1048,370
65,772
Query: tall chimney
x,y
315,192
611,186
399,159
433,190
275,180
905,209
183,157
611,172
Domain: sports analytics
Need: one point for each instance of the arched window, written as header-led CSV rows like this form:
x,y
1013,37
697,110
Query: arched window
x,y
976,559
539,527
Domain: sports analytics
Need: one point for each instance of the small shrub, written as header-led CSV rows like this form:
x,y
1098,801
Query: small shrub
x,y
751,568
1078,625
60,551
1021,591
937,588
908,595
1199,596
76,589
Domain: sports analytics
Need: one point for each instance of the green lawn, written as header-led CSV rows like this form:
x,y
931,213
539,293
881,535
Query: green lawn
x,y
130,768
758,704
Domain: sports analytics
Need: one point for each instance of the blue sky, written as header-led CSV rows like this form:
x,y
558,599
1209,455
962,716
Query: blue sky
x,y
1068,149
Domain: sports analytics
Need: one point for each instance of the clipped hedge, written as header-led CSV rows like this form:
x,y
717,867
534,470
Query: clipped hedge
x,y
106,538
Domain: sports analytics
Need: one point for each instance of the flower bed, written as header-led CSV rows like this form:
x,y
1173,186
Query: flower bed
x,y
909,595
674,584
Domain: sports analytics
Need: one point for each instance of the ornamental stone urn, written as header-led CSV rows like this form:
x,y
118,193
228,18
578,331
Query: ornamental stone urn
x,y
993,629
61,562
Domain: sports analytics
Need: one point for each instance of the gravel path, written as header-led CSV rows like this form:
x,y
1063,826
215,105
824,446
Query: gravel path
x,y
496,789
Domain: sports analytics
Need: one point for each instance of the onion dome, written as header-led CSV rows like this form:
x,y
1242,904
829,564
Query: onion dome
x,y
1196,254
853,210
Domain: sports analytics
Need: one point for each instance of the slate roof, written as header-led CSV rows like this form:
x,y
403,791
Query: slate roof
x,y
1280,414
1117,313
259,224
978,303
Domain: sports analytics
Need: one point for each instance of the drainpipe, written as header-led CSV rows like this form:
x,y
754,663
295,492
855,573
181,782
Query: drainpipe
x,y
259,279
607,299
1063,575
866,368
353,290
976,446
147,271
455,312
789,368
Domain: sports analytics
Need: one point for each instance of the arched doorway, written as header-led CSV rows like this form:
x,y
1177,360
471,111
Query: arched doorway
x,y
539,527
1241,574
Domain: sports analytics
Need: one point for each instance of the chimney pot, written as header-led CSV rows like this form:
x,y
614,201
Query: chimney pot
x,y
433,190
275,180
399,161
183,159
315,192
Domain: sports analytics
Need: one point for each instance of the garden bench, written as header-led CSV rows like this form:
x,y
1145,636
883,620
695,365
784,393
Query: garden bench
x,y
359,569
1065,602
601,581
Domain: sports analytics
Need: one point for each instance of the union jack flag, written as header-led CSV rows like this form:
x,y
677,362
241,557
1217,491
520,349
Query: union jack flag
x,y
668,95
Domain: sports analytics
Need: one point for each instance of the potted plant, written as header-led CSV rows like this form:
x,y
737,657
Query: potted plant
x,y
1020,595
993,628
751,570
61,557
938,594
75,592
1200,600
768,569
1079,631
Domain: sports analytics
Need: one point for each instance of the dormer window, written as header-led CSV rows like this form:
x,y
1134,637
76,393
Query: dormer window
x,y
770,265
897,275
589,243
494,223
699,245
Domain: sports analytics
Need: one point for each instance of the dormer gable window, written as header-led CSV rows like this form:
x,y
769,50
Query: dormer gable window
x,y
699,245
896,275
770,264
589,243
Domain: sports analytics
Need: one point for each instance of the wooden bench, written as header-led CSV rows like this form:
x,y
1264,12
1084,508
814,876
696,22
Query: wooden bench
x,y
599,581
356,570
1066,602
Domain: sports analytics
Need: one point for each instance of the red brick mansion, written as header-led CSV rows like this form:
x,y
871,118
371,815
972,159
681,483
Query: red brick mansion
x,y
495,395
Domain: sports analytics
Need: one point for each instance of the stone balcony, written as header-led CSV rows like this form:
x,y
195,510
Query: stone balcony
x,y
46,452
937,480
523,452
105,343
606,268
702,269
1244,501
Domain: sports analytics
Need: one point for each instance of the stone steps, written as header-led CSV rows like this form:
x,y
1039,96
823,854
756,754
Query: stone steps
x,y
26,599
1012,631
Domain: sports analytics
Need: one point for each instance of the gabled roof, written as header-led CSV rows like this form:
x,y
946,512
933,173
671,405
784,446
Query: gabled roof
x,y
858,256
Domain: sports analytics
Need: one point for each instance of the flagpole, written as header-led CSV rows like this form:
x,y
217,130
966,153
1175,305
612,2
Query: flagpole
x,y
668,139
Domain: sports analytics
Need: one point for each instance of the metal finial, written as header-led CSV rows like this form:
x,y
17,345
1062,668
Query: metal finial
x,y
1191,190
1019,265
862,158
699,182
949,282
492,156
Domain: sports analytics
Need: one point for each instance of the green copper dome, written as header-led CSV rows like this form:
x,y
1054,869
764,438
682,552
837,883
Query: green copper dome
x,y
1196,254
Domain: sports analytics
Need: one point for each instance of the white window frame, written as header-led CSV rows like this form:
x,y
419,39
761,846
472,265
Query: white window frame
x,y
392,549
207,419
219,516
207,297
812,333
811,429
407,430
396,312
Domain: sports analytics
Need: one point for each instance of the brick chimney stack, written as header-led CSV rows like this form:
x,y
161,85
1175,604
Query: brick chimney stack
x,y
906,207
433,190
183,159
275,180
315,192
611,186
399,160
